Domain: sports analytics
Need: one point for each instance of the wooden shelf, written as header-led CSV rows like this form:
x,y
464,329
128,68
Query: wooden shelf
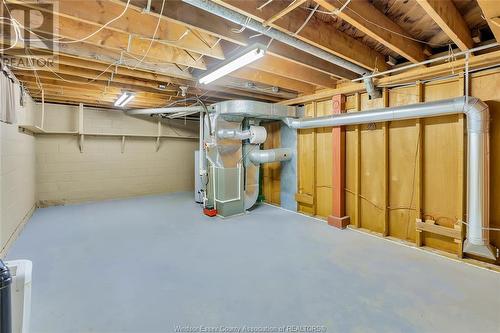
x,y
38,130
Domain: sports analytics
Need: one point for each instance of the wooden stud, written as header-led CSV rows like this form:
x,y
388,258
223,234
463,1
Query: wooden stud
x,y
357,203
385,128
420,165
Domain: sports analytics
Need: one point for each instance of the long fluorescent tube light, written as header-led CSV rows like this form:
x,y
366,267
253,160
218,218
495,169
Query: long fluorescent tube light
x,y
124,99
250,54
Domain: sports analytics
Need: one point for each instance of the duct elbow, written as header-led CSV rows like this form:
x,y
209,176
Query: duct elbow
x,y
478,115
292,122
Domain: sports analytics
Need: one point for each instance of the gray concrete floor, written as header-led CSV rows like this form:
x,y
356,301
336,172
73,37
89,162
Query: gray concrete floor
x,y
149,264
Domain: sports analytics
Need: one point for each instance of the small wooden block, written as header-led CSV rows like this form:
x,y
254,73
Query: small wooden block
x,y
339,222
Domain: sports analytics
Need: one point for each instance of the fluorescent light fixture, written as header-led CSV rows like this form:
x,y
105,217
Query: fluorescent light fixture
x,y
124,99
248,55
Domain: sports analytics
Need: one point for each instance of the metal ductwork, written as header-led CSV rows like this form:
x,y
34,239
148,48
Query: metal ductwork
x,y
247,22
478,159
271,155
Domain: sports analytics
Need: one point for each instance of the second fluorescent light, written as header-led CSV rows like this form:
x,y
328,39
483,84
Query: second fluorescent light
x,y
124,99
249,55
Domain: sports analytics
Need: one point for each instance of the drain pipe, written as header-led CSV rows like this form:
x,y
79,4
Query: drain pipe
x,y
247,22
478,156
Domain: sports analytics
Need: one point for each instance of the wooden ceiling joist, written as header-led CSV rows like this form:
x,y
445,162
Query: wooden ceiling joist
x,y
491,12
288,69
121,42
315,32
361,14
259,76
449,19
170,33
294,4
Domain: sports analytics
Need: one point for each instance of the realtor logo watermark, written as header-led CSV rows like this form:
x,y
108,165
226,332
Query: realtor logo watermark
x,y
251,329
28,32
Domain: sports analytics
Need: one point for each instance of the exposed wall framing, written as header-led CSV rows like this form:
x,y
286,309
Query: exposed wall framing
x,y
399,171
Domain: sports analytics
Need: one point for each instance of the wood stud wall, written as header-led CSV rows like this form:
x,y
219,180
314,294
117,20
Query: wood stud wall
x,y
399,171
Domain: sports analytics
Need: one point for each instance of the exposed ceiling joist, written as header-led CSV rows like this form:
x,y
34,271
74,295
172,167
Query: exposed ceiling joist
x,y
121,42
315,32
259,76
98,13
294,4
288,69
491,12
361,14
449,19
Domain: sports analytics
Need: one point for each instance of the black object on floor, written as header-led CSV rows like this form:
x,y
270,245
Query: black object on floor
x,y
5,302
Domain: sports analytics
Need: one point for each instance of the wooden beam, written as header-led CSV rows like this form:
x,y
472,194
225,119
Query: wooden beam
x,y
170,33
302,58
294,4
121,42
316,32
449,19
360,14
97,54
273,80
286,68
479,61
491,11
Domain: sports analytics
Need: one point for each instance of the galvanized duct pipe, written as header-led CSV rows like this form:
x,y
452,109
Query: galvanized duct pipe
x,y
270,155
247,22
478,164
234,134
252,170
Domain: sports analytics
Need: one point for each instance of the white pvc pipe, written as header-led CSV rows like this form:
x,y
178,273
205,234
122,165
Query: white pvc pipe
x,y
478,172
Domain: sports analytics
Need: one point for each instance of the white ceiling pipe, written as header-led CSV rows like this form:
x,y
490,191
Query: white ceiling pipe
x,y
478,164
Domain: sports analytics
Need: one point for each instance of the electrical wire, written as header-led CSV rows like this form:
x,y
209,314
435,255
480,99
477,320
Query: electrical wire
x,y
154,35
71,41
379,26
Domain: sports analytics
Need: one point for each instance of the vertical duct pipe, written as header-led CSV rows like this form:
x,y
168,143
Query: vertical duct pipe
x,y
478,177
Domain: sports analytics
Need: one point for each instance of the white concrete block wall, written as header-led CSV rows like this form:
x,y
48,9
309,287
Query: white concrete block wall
x,y
102,171
17,175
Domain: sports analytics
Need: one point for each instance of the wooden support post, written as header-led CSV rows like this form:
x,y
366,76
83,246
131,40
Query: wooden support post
x,y
338,218
419,190
315,164
357,203
385,128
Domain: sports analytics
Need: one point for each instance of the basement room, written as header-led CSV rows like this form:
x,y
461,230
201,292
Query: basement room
x,y
297,166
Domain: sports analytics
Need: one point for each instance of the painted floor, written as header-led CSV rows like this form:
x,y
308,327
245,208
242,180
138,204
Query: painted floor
x,y
155,264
